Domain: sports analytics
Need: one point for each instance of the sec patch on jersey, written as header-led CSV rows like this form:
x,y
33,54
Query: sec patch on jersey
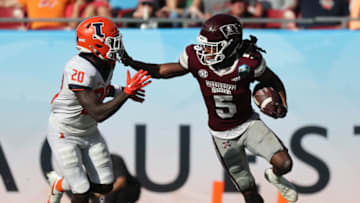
x,y
269,101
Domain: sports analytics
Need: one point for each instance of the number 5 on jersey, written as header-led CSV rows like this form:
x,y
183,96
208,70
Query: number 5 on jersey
x,y
77,76
223,102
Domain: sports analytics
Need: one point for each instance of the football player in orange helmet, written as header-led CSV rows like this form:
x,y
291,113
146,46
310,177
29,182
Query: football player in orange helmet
x,y
78,147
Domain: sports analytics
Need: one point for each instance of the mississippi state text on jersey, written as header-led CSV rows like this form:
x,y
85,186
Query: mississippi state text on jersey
x,y
226,92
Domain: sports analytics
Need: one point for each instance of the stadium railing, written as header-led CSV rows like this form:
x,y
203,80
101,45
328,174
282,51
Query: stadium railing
x,y
186,21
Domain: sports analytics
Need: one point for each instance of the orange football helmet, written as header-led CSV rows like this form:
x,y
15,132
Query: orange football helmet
x,y
100,36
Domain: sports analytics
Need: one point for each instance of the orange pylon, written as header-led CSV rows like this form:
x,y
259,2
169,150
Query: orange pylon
x,y
281,199
218,190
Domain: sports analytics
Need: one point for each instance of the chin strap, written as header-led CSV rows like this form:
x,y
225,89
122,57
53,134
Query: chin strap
x,y
96,52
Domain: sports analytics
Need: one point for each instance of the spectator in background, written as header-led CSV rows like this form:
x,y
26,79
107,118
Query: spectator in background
x,y
323,8
255,8
355,13
181,9
43,9
118,5
10,10
284,9
8,3
212,7
279,4
194,9
87,8
145,9
126,188
244,9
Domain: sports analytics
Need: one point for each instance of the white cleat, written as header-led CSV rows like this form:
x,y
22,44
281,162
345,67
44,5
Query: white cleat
x,y
55,195
286,189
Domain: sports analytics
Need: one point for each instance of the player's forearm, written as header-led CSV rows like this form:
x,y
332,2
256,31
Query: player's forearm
x,y
269,77
103,111
280,88
283,98
153,69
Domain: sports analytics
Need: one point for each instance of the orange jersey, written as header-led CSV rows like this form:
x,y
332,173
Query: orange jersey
x,y
45,9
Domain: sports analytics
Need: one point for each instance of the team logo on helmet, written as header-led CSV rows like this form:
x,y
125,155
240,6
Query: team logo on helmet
x,y
98,31
230,29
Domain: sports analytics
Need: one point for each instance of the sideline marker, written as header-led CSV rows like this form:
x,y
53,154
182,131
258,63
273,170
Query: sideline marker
x,y
281,199
218,190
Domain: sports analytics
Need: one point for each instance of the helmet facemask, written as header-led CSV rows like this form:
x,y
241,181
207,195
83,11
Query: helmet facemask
x,y
210,53
115,46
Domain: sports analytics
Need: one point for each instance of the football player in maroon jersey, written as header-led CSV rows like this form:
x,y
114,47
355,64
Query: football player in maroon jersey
x,y
224,65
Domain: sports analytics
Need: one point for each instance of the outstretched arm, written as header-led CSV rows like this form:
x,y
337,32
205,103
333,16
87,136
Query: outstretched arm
x,y
167,70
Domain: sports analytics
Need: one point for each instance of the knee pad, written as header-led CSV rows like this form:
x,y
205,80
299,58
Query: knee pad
x,y
99,155
80,187
69,157
239,172
101,188
244,180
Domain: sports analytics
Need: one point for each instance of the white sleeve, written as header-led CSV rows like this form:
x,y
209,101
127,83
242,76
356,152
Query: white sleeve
x,y
184,60
260,69
80,74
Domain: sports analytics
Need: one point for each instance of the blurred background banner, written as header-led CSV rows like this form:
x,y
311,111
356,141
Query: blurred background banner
x,y
165,140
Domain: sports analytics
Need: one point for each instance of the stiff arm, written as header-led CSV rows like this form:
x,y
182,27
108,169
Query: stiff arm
x,y
165,70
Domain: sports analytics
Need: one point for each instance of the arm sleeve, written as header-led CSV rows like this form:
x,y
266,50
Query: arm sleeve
x,y
258,64
184,60
260,68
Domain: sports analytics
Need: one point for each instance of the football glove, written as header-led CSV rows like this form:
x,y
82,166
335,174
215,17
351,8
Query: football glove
x,y
135,83
139,95
275,110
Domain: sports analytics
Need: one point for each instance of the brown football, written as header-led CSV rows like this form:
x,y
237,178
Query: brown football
x,y
265,97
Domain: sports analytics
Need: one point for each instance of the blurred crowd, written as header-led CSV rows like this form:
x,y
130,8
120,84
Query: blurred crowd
x,y
200,10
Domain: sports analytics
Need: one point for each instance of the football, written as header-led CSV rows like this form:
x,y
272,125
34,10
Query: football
x,y
266,98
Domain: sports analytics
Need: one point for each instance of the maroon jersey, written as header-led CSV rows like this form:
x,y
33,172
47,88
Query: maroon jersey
x,y
226,92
